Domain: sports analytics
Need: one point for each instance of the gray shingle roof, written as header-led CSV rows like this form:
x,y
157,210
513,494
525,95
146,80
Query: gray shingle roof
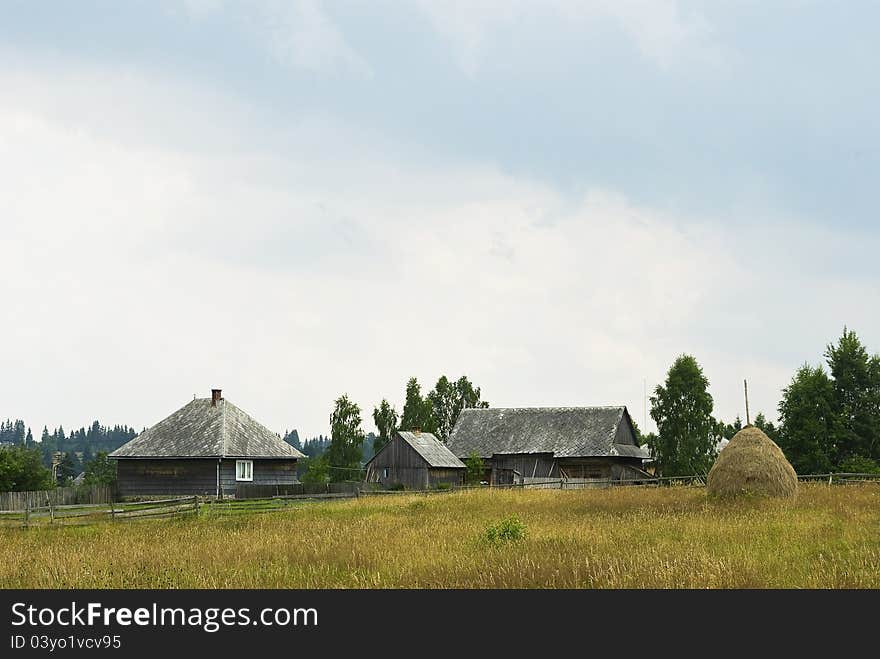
x,y
200,430
566,432
435,452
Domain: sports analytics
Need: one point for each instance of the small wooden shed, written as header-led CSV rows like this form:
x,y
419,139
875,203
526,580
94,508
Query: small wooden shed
x,y
417,461
206,447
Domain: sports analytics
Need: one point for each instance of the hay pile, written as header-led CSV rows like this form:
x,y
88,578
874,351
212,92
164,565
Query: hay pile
x,y
752,463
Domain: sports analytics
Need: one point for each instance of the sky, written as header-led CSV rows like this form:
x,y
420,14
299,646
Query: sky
x,y
295,200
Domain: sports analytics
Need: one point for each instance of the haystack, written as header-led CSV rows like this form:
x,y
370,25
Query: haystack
x,y
752,463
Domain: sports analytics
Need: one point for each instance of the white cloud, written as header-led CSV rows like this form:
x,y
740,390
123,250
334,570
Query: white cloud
x,y
297,33
138,272
661,30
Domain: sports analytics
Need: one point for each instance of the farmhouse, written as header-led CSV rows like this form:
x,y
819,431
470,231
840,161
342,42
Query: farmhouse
x,y
205,447
519,445
416,460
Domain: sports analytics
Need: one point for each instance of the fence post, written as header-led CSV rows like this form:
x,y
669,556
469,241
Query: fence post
x,y
830,478
27,513
51,509
196,504
112,511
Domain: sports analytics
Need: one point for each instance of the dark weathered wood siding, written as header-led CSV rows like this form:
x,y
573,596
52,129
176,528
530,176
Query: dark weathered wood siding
x,y
141,477
624,431
507,469
399,464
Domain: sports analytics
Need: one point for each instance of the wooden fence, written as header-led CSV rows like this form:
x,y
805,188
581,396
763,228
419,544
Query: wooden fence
x,y
87,513
60,496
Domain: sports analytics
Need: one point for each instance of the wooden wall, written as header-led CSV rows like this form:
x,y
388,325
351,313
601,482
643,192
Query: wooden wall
x,y
406,467
60,496
525,464
145,477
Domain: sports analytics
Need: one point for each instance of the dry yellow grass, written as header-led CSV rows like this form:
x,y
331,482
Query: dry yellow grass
x,y
828,537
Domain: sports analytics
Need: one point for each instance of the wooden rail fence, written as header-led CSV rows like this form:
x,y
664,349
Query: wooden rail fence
x,y
88,513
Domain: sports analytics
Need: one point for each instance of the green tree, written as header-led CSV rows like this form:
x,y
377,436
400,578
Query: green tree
x,y
22,469
682,410
806,413
443,398
474,468
317,470
67,468
856,397
101,470
767,427
448,399
385,418
346,438
418,412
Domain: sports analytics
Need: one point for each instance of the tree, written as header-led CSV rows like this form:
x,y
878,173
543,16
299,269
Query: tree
x,y
682,410
67,468
418,412
346,438
728,430
856,397
316,470
100,471
21,469
474,468
443,399
385,418
767,427
808,429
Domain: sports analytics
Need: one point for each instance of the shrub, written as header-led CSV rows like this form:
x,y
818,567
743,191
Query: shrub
x,y
397,486
509,529
475,469
442,486
859,465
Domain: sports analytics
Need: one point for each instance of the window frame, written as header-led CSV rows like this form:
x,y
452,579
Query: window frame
x,y
244,471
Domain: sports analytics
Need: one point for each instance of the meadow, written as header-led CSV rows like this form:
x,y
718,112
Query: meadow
x,y
675,537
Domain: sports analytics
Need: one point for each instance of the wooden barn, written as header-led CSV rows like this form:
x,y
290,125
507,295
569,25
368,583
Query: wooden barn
x,y
519,445
206,447
416,460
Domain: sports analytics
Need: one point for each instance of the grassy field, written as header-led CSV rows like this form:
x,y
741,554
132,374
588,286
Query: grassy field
x,y
829,537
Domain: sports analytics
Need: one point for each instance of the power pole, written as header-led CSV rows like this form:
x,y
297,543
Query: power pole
x,y
746,389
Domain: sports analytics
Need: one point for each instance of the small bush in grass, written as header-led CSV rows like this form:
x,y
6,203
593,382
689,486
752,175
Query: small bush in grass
x,y
442,486
509,529
397,487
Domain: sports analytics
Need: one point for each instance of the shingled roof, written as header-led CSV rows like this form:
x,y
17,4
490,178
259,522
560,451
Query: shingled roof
x,y
434,452
207,429
566,432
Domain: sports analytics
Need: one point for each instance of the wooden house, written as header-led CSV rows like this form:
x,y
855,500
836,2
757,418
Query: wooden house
x,y
206,447
519,445
417,461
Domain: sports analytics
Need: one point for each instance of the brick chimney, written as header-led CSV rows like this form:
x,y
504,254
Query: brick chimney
x,y
417,431
215,396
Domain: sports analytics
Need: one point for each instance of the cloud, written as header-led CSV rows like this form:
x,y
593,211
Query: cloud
x,y
661,30
140,271
299,34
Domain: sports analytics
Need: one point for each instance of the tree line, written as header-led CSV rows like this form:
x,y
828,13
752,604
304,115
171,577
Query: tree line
x,y
828,416
434,412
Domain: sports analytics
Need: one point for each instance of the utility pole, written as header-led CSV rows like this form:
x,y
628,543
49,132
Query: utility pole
x,y
746,389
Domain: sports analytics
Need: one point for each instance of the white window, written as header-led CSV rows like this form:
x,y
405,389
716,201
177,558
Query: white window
x,y
244,470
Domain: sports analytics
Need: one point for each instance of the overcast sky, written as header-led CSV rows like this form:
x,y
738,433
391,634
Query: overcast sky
x,y
292,200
